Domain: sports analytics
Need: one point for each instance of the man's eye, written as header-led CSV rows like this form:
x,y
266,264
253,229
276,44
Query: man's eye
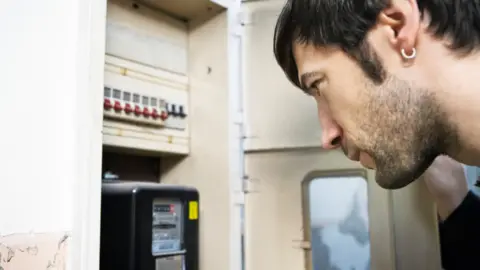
x,y
315,88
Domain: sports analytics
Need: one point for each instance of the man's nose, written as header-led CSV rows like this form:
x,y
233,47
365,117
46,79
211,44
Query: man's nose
x,y
331,136
331,132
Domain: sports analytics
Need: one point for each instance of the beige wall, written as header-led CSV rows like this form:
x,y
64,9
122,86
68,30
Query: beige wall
x,y
416,234
407,238
167,43
34,251
206,168
277,115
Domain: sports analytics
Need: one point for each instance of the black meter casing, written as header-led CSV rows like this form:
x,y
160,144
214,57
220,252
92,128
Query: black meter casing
x,y
149,226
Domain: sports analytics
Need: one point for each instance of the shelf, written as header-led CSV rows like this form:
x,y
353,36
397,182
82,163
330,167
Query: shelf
x,y
185,10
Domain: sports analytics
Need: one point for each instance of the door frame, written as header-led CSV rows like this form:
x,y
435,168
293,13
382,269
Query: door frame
x,y
90,30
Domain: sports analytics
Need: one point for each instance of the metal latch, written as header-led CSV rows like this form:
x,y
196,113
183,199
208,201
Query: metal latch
x,y
302,244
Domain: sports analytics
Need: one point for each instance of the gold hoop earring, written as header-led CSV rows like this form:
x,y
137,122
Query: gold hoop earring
x,y
411,56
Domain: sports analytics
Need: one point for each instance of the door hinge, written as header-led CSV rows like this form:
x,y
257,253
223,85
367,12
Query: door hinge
x,y
245,18
248,185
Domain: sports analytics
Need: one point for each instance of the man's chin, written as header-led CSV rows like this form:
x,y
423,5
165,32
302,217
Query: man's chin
x,y
393,185
388,179
393,177
367,166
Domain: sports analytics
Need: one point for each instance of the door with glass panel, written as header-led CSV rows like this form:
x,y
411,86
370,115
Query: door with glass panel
x,y
315,209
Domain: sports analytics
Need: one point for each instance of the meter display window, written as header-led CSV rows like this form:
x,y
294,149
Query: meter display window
x,y
167,218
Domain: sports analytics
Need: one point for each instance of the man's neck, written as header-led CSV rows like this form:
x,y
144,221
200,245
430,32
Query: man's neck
x,y
460,95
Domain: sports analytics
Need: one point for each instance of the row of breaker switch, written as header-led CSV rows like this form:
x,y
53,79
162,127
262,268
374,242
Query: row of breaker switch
x,y
171,110
125,102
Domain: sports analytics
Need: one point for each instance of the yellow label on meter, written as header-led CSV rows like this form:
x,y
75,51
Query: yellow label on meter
x,y
193,210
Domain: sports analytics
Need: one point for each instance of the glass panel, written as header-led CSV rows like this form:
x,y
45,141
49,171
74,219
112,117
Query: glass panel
x,y
339,223
145,100
162,103
117,93
473,178
153,102
126,96
136,98
106,92
166,226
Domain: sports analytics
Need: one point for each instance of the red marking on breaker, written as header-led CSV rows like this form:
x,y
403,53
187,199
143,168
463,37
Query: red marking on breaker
x,y
117,106
137,110
128,108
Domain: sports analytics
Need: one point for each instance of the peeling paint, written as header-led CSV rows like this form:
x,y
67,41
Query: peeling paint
x,y
34,251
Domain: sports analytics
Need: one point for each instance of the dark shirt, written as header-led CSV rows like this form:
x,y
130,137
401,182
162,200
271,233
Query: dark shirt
x,y
460,236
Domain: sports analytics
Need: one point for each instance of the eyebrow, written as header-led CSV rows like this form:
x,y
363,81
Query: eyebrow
x,y
306,76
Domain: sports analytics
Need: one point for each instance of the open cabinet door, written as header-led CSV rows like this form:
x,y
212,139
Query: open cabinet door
x,y
308,208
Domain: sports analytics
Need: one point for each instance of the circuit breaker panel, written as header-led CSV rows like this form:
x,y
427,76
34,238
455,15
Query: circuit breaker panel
x,y
146,84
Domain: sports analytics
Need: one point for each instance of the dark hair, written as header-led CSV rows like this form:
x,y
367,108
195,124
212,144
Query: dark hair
x,y
345,23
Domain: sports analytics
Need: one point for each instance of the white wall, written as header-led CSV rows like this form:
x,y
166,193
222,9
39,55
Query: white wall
x,y
38,114
46,77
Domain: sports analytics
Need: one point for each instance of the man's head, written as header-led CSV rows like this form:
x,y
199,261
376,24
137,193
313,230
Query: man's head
x,y
371,67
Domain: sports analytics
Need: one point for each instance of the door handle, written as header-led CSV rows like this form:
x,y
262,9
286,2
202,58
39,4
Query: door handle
x,y
302,244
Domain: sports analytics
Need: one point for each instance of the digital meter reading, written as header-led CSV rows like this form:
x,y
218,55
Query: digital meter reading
x,y
166,226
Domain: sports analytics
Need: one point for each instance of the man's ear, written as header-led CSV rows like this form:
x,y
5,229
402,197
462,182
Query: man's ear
x,y
403,17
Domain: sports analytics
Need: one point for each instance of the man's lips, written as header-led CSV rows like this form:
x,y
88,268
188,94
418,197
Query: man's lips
x,y
364,158
352,155
367,161
355,155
